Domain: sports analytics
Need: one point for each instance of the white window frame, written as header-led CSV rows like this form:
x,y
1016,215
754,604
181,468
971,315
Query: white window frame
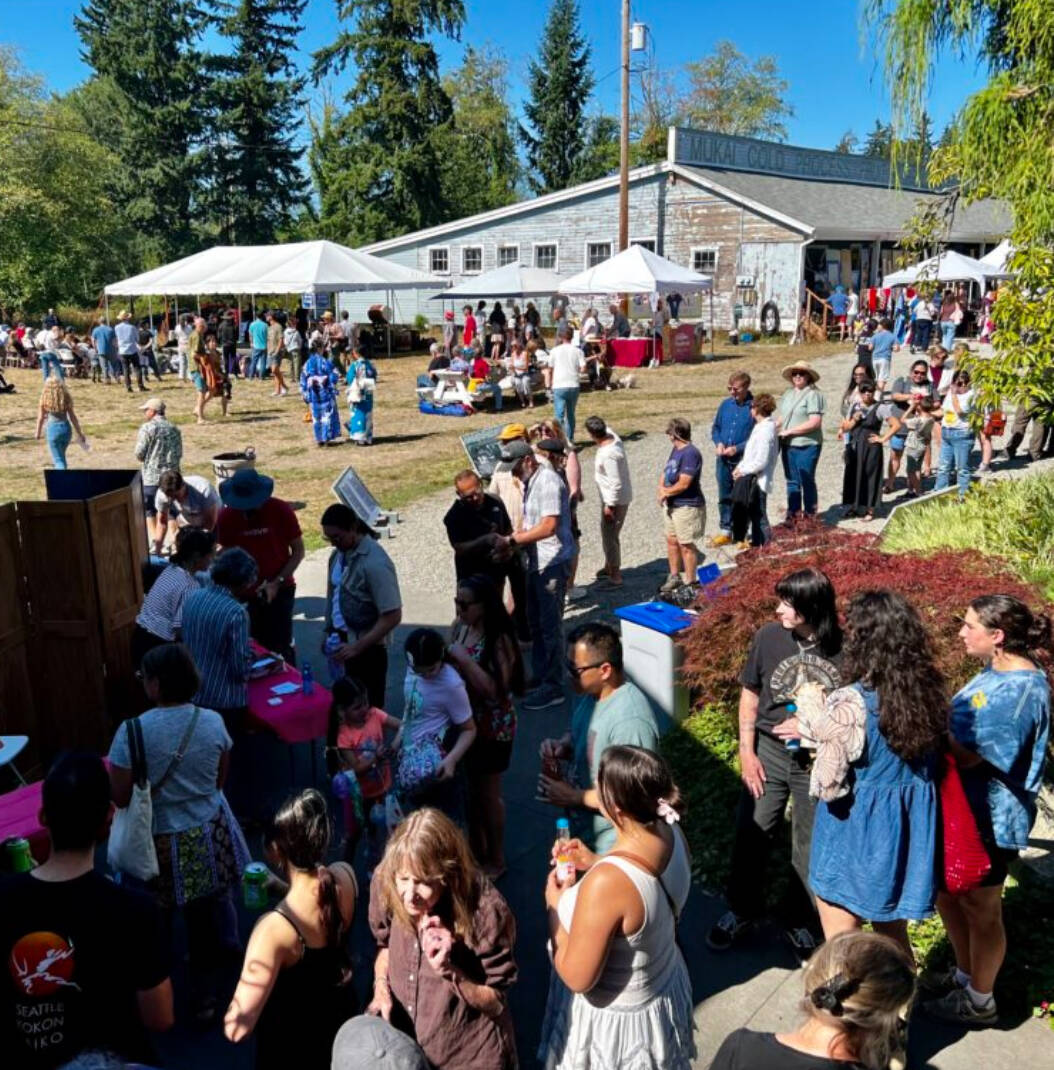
x,y
715,249
597,241
438,249
505,248
468,248
535,246
654,242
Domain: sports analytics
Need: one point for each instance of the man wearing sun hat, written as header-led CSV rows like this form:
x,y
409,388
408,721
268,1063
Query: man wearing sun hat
x,y
801,410
128,348
267,528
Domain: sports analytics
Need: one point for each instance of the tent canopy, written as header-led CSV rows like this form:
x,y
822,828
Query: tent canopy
x,y
275,269
636,270
997,259
511,280
948,267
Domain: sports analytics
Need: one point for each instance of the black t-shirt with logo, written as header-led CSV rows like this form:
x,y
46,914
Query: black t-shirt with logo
x,y
746,1050
75,953
464,523
776,667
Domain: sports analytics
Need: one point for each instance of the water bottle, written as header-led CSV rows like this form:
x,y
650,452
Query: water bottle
x,y
307,679
792,744
565,867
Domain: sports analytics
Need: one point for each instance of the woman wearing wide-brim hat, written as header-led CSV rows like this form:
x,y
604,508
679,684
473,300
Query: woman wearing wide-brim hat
x,y
801,410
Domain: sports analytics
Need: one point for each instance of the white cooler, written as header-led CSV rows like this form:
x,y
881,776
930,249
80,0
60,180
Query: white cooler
x,y
652,657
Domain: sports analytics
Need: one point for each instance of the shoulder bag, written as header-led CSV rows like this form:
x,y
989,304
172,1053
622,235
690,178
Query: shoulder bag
x,y
131,846
419,762
965,862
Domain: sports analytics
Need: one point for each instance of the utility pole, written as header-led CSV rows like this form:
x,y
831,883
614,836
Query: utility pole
x,y
623,189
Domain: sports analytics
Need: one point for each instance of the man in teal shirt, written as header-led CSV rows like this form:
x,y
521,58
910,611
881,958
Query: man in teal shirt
x,y
610,711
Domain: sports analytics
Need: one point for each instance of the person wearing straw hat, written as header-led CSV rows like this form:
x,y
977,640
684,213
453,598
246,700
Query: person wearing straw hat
x,y
266,527
801,410
128,349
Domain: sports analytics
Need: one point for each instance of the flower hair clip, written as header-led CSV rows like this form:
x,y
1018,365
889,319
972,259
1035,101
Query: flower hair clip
x,y
667,812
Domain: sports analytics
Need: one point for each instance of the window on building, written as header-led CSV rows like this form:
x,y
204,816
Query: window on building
x,y
545,257
439,261
645,243
597,252
472,259
704,261
508,254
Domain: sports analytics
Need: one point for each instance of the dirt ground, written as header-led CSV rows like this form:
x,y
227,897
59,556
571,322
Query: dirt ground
x,y
413,454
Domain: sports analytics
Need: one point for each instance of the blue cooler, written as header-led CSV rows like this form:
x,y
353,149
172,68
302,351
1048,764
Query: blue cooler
x,y
652,657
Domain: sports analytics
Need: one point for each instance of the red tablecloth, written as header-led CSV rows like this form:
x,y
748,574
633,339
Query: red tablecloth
x,y
18,817
299,718
632,352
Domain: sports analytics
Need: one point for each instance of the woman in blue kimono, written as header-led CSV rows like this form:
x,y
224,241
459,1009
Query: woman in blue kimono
x,y
361,377
318,385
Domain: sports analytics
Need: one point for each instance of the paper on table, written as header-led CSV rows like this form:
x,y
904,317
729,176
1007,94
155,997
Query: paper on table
x,y
287,688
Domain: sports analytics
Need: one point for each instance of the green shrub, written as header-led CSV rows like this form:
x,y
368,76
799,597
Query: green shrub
x,y
420,322
1012,519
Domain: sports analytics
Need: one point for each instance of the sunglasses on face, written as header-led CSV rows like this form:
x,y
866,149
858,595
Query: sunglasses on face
x,y
577,670
464,603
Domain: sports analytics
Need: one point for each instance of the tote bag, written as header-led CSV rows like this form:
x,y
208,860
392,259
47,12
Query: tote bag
x,y
965,860
131,846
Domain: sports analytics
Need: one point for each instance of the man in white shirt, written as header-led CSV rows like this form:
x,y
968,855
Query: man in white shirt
x,y
183,331
616,492
184,500
567,362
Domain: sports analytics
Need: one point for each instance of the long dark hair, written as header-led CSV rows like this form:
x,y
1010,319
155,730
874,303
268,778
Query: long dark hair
x,y
811,594
633,780
299,834
495,624
888,649
868,367
1024,632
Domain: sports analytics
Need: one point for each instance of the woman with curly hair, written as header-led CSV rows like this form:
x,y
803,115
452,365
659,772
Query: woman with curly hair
x,y
445,938
874,841
56,418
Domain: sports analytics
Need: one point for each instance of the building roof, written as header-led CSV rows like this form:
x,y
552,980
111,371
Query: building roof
x,y
845,210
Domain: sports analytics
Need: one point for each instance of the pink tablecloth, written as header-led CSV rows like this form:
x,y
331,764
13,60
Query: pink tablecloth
x,y
299,718
19,812
632,352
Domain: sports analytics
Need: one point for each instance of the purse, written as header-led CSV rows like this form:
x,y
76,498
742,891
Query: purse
x,y
419,761
995,423
965,861
131,847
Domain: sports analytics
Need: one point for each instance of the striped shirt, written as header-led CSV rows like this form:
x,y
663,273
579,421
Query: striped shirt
x,y
546,495
162,612
216,632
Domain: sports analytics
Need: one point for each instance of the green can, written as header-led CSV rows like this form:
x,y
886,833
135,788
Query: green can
x,y
19,856
254,886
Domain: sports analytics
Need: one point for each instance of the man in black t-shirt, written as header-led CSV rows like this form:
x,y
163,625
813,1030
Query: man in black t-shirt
x,y
86,962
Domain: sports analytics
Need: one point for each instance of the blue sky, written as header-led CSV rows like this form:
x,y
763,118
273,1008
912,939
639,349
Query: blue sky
x,y
835,77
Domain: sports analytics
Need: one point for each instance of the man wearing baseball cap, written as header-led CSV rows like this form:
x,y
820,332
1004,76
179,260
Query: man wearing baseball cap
x,y
158,448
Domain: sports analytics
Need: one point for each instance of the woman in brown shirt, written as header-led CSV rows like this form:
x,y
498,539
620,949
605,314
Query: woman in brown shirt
x,y
445,937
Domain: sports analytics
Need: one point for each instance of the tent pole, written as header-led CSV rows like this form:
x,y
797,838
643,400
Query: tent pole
x,y
199,303
175,302
150,312
391,313
106,303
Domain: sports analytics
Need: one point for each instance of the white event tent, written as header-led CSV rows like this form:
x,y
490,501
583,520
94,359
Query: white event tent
x,y
636,270
949,266
510,280
997,259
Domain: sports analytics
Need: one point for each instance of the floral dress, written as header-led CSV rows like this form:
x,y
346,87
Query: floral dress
x,y
495,718
318,383
361,377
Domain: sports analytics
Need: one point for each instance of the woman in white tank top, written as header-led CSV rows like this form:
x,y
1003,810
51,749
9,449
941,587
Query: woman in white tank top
x,y
620,994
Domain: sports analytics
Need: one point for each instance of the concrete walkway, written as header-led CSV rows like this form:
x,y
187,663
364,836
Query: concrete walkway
x,y
757,986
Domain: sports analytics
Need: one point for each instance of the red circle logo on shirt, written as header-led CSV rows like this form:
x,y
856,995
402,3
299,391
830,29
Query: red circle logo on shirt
x,y
42,963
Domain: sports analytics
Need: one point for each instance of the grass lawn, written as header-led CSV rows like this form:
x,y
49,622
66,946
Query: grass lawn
x,y
413,454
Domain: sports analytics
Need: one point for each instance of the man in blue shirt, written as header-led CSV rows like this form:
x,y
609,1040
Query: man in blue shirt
x,y
105,342
128,349
839,302
731,429
258,342
683,505
883,343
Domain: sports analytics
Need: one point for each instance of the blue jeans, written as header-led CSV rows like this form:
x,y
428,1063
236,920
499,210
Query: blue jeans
x,y
545,618
799,470
495,390
956,444
257,364
724,467
49,362
947,335
58,434
564,401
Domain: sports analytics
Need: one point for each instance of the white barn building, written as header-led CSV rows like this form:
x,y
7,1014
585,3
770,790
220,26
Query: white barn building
x,y
763,218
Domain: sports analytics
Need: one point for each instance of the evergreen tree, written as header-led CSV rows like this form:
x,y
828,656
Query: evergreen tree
x,y
476,149
560,83
601,153
147,51
879,141
380,176
847,142
255,186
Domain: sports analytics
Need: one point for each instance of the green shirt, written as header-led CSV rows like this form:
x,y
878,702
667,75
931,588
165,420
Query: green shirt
x,y
795,407
624,717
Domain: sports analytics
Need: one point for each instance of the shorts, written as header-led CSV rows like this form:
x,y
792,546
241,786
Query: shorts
x,y
686,523
914,461
1000,857
275,361
149,494
882,368
488,756
840,319
199,382
898,442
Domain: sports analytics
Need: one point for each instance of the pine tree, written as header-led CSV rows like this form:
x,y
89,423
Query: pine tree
x,y
380,175
879,141
255,186
560,84
147,52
